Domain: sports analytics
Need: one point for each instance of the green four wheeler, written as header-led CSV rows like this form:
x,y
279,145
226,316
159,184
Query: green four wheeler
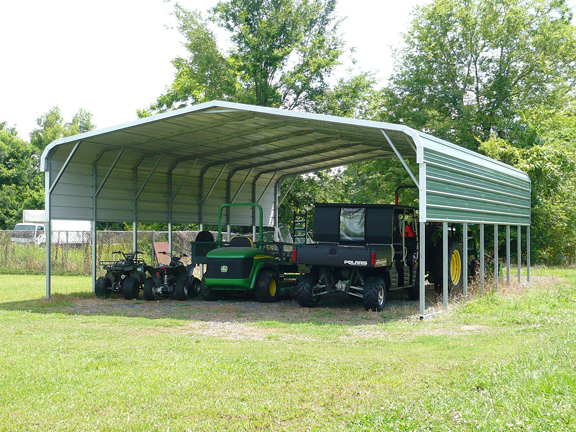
x,y
244,267
124,276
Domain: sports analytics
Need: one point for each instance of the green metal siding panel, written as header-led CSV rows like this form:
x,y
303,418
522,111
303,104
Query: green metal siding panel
x,y
458,190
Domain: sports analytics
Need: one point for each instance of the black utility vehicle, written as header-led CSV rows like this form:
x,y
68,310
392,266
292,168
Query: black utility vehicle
x,y
124,276
366,250
168,280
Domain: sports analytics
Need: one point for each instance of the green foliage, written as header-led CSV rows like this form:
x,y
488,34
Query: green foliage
x,y
469,67
21,185
52,127
282,54
551,168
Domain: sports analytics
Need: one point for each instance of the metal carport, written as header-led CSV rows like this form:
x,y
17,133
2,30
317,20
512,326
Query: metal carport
x,y
178,167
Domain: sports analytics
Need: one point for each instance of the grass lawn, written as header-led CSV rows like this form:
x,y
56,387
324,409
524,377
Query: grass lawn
x,y
500,362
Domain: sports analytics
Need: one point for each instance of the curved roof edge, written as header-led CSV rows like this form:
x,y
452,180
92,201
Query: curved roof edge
x,y
223,105
464,153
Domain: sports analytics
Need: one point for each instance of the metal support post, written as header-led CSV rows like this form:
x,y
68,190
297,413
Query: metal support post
x,y
152,248
508,254
48,227
528,254
67,249
519,251
496,273
421,268
94,219
465,260
482,264
445,264
135,235
170,237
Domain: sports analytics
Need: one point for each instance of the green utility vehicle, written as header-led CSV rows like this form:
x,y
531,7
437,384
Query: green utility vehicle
x,y
240,266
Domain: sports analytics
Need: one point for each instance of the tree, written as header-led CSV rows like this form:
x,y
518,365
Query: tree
x,y
551,168
283,53
469,68
52,127
21,185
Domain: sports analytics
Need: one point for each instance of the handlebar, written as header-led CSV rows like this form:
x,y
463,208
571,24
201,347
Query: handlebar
x,y
172,255
134,254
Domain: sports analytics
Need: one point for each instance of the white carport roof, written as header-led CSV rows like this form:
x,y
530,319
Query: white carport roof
x,y
180,166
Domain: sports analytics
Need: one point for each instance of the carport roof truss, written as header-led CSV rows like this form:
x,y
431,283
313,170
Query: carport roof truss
x,y
180,166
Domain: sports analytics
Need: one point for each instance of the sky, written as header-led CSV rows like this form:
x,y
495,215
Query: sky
x,y
112,57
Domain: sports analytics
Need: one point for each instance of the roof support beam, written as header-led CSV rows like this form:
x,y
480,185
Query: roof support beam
x,y
287,191
305,155
242,185
329,165
267,186
180,132
233,148
190,168
242,133
214,184
269,152
66,163
406,167
328,159
149,177
108,173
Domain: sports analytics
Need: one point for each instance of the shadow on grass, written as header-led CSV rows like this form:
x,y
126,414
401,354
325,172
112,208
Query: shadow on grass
x,y
334,309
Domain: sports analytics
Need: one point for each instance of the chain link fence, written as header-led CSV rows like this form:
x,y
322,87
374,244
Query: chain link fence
x,y
72,250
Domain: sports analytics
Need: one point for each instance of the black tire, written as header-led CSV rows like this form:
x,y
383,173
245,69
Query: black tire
x,y
207,293
194,287
374,294
103,288
305,291
455,280
131,288
455,273
148,289
266,290
414,290
181,290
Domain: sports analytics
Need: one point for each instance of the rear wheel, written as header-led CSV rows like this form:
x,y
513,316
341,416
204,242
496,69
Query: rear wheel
x,y
266,290
194,287
131,288
414,290
181,290
455,266
103,287
454,269
305,291
149,286
207,293
374,294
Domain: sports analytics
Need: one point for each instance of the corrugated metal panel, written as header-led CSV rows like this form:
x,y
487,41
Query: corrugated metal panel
x,y
459,189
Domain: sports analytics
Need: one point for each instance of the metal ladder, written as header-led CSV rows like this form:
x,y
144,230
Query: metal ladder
x,y
300,227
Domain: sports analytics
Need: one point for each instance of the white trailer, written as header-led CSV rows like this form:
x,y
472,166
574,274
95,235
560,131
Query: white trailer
x,y
33,230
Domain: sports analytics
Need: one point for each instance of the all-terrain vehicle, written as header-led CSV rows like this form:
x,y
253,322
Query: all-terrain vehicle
x,y
242,266
124,276
168,280
365,251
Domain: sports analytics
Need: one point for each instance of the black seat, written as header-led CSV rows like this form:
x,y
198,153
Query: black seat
x,y
241,241
204,243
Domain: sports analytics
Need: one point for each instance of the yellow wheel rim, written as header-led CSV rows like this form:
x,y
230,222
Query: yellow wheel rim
x,y
455,267
273,287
